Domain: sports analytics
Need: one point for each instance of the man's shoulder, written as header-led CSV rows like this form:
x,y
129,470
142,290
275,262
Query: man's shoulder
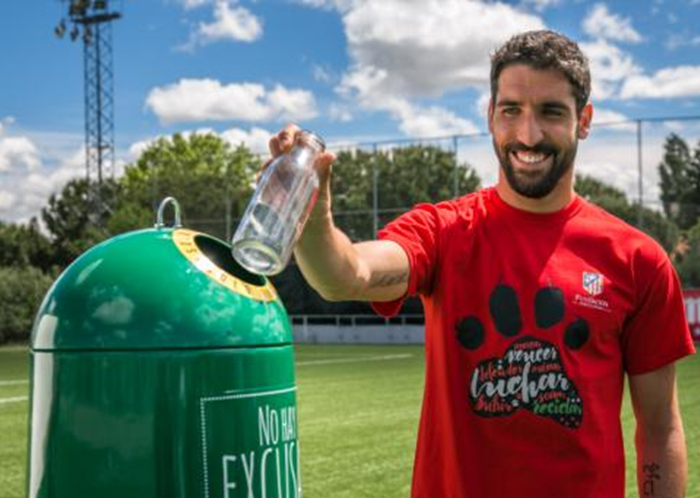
x,y
608,227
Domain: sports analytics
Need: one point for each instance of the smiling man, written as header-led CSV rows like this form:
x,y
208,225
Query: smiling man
x,y
537,305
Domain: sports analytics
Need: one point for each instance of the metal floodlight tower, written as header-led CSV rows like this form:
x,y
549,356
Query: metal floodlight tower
x,y
91,22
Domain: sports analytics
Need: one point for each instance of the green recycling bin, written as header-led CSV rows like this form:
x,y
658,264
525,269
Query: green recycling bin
x,y
162,368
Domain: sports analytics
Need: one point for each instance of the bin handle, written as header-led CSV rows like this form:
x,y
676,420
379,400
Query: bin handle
x,y
161,209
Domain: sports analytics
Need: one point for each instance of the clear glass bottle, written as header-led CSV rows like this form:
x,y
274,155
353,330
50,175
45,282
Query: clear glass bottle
x,y
275,216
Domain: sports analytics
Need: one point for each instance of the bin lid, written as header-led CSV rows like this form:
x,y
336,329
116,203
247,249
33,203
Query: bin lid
x,y
159,288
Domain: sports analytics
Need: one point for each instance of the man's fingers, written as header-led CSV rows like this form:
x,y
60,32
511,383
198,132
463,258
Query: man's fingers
x,y
283,143
288,136
284,140
274,146
324,161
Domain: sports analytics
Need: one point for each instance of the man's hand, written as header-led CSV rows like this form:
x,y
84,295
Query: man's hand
x,y
281,144
335,267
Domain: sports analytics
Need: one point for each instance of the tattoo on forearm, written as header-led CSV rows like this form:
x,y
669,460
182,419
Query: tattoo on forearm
x,y
385,279
651,475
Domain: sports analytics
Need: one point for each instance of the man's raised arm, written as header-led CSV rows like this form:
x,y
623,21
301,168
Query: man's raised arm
x,y
338,269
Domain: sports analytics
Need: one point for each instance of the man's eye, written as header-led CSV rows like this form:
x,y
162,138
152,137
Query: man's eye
x,y
510,111
555,113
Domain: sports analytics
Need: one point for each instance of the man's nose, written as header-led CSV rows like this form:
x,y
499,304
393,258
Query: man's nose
x,y
529,130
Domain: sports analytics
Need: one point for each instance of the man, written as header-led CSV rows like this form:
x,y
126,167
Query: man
x,y
536,304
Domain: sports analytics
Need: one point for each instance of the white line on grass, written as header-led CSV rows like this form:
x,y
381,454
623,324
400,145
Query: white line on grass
x,y
355,360
12,400
12,382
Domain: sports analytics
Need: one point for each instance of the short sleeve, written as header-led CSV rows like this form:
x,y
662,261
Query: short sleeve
x,y
657,333
417,232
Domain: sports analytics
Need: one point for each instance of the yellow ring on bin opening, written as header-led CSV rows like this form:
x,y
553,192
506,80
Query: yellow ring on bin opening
x,y
184,241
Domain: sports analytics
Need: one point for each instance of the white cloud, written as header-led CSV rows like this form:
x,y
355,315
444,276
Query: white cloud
x,y
600,23
605,116
17,152
401,50
209,100
414,120
230,23
427,47
256,139
433,121
4,123
609,67
681,81
482,104
7,200
605,120
27,192
137,148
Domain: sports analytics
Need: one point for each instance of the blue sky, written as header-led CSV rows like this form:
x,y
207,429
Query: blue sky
x,y
353,70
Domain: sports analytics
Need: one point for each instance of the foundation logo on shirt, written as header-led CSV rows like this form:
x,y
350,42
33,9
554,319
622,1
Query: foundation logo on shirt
x,y
531,374
593,286
592,283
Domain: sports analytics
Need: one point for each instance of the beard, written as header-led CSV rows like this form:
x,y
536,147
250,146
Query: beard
x,y
536,184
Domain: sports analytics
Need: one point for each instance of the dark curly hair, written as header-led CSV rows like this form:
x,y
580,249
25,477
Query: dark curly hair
x,y
542,50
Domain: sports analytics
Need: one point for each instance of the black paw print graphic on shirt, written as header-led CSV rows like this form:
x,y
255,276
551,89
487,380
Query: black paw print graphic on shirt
x,y
530,374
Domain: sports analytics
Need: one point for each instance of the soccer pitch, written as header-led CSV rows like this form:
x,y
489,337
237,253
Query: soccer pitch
x,y
358,414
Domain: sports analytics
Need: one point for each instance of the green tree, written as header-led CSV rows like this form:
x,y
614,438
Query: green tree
x,y
687,257
680,182
25,245
76,218
692,202
211,181
615,202
405,177
21,292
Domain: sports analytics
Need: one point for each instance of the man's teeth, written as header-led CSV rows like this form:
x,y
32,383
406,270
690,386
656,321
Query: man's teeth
x,y
530,157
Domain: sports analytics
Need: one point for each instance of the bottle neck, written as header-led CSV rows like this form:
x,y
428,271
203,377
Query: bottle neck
x,y
307,138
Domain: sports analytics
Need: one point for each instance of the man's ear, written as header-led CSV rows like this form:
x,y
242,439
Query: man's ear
x,y
584,121
490,116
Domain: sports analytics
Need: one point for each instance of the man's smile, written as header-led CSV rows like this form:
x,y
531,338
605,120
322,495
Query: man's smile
x,y
529,160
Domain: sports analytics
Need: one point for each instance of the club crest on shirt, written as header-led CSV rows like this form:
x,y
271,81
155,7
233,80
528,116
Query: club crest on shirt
x,y
592,283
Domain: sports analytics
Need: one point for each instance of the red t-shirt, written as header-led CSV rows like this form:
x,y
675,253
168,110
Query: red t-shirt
x,y
531,322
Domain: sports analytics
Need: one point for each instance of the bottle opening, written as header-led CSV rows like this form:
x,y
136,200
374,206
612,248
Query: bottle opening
x,y
308,137
220,255
257,257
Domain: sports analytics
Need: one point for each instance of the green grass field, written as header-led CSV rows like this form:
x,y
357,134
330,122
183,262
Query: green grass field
x,y
358,414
